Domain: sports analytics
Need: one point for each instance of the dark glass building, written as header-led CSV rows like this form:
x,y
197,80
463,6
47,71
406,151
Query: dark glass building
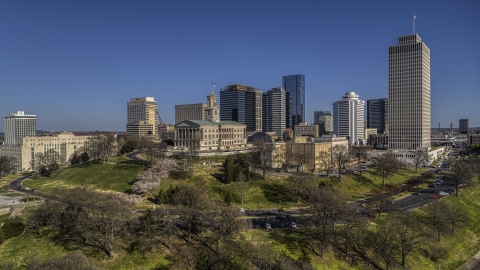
x,y
377,114
294,85
463,126
242,104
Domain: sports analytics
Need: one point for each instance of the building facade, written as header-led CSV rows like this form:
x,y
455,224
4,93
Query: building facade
x,y
203,135
242,104
409,94
377,114
324,120
142,117
304,129
274,111
306,154
18,125
463,126
294,85
348,118
190,112
25,148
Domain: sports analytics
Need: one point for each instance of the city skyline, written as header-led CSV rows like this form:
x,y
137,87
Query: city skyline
x,y
74,64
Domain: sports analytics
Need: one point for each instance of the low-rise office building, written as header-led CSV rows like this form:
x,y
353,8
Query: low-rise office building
x,y
304,129
304,153
25,148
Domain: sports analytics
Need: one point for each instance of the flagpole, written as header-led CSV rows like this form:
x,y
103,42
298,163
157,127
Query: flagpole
x,y
414,19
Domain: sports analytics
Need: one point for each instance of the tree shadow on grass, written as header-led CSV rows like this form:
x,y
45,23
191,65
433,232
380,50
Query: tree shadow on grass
x,y
275,193
289,238
362,179
223,192
130,165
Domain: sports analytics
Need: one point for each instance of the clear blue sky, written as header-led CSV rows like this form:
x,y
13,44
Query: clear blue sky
x,y
75,64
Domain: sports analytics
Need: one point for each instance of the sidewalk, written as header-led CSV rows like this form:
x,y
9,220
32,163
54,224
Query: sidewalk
x,y
473,263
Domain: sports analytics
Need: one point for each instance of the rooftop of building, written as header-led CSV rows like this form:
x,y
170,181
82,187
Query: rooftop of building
x,y
239,87
206,122
19,113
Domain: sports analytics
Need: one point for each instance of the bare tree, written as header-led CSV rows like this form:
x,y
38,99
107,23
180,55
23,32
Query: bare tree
x,y
462,174
102,146
324,160
436,217
300,185
407,234
420,158
456,217
340,156
45,214
387,164
380,203
7,165
241,183
47,163
94,220
261,156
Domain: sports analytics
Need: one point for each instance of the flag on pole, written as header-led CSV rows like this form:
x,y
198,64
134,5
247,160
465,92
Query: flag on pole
x,y
213,83
414,17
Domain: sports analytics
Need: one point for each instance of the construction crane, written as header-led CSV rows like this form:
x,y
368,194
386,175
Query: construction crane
x,y
161,124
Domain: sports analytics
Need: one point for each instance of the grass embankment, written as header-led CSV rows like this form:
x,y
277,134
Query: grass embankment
x,y
116,175
119,173
27,246
361,186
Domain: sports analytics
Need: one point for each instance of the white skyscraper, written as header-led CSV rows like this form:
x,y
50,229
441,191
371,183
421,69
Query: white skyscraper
x,y
19,124
142,117
348,117
409,94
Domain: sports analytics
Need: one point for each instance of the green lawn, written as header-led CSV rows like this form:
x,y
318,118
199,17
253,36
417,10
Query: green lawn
x,y
116,175
26,246
4,217
361,186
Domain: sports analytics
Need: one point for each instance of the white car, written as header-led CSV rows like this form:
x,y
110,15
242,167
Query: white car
x,y
443,193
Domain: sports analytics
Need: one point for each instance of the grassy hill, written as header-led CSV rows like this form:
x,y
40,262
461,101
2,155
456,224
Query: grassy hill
x,y
120,172
116,175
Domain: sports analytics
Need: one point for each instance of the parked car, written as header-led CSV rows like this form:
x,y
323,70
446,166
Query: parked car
x,y
443,193
292,225
415,193
268,226
242,210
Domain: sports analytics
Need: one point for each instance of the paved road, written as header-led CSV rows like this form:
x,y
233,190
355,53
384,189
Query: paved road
x,y
425,197
16,184
472,264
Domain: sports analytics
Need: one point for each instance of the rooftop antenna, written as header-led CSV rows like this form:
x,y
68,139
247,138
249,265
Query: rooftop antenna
x,y
414,19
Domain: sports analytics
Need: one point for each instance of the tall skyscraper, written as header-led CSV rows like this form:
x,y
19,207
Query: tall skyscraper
x,y
294,85
274,111
463,126
348,117
324,120
17,125
242,104
409,94
377,114
142,117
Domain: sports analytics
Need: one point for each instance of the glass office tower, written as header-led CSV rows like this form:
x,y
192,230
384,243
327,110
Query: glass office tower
x,y
294,85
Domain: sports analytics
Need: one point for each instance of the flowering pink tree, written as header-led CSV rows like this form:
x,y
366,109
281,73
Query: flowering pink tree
x,y
152,178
